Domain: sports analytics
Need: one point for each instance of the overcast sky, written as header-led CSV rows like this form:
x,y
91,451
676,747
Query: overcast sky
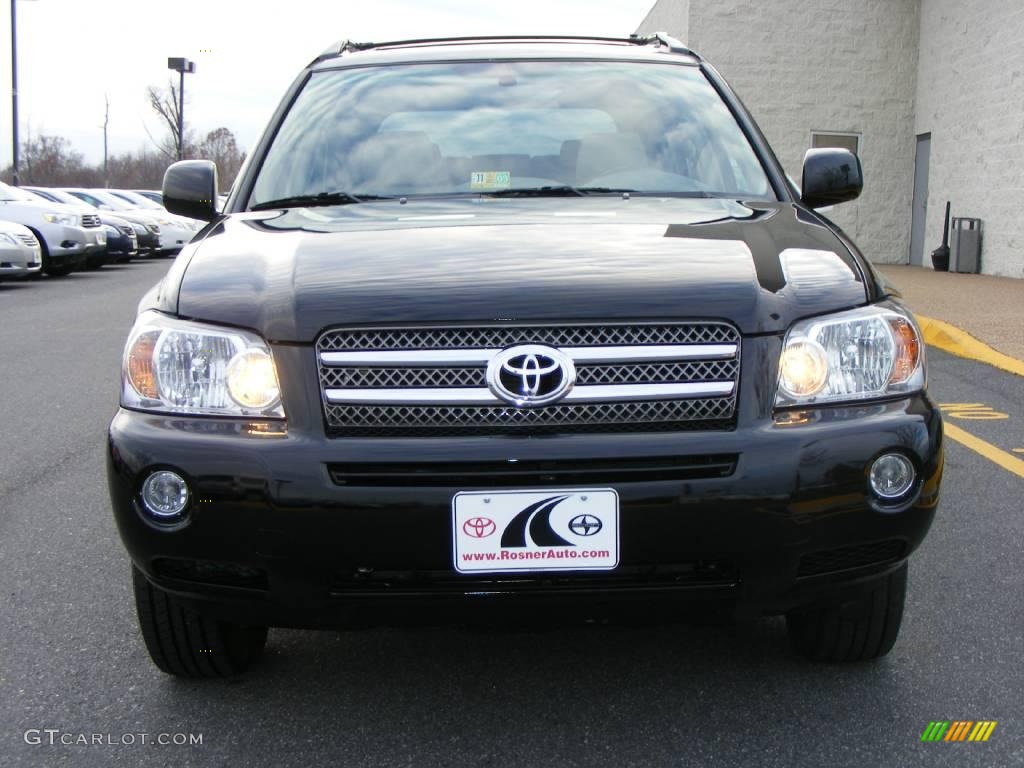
x,y
72,52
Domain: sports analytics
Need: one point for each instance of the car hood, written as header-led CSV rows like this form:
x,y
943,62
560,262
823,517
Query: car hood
x,y
136,217
291,274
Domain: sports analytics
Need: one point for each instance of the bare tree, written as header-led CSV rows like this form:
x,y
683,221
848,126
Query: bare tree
x,y
221,147
51,160
165,104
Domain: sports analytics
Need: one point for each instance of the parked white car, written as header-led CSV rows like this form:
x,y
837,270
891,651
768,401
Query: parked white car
x,y
20,253
188,227
65,236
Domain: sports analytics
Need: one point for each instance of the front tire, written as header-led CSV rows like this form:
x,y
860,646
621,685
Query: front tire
x,y
852,630
50,269
184,643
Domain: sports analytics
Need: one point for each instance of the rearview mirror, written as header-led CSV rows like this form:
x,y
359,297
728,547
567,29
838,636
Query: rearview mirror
x,y
190,189
830,176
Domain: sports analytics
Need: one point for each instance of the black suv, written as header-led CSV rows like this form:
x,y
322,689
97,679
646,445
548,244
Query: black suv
x,y
493,327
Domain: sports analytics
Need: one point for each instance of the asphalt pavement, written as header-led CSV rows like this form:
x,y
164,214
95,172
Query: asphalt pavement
x,y
692,694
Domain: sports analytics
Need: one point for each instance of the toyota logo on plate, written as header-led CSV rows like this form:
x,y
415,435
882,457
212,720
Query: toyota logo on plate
x,y
531,374
479,527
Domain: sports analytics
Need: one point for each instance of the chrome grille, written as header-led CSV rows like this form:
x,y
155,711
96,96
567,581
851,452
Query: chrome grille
x,y
387,377
90,220
427,381
28,240
505,336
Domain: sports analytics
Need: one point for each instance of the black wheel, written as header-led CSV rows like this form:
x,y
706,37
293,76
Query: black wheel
x,y
183,643
51,269
853,630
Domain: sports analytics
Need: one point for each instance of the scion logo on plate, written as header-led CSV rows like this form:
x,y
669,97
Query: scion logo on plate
x,y
530,375
585,525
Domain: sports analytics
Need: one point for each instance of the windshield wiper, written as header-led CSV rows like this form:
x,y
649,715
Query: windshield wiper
x,y
320,198
559,190
565,190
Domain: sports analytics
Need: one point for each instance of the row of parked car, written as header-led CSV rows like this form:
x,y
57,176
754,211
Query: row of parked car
x,y
59,230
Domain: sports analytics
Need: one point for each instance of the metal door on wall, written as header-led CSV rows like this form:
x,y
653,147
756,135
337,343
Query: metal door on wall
x,y
919,210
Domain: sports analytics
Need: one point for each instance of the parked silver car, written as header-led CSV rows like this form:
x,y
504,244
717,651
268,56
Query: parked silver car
x,y
65,236
20,254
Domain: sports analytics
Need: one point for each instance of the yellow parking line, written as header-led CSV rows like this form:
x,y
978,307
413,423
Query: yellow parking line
x,y
989,451
956,341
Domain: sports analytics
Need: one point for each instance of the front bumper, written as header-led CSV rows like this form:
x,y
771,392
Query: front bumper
x,y
148,243
173,238
20,262
273,539
95,240
122,245
68,243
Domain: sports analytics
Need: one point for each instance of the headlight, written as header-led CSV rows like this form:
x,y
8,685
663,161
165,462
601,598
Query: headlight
x,y
869,352
68,219
174,366
139,229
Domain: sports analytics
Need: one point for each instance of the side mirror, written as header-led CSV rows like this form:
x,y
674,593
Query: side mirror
x,y
190,189
830,176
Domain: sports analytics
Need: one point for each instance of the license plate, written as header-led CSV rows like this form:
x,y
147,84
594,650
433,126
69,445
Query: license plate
x,y
575,529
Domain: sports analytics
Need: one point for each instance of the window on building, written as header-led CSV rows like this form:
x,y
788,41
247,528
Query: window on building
x,y
831,139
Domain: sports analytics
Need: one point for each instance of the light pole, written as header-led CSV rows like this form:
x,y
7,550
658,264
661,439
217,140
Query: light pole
x,y
14,88
181,66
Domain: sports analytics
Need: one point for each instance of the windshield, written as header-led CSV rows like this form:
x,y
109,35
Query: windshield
x,y
112,201
64,197
478,128
137,200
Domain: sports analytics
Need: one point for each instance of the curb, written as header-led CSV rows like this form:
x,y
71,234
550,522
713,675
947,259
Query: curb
x,y
958,342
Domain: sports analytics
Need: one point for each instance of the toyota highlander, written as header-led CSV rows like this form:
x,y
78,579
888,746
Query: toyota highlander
x,y
504,327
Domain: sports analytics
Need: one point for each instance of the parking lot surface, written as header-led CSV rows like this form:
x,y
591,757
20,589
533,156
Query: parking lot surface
x,y
692,693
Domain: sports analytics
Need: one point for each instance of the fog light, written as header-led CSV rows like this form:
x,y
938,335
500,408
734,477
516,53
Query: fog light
x,y
165,495
891,475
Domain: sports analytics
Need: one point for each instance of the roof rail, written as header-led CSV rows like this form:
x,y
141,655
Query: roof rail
x,y
658,38
338,48
663,38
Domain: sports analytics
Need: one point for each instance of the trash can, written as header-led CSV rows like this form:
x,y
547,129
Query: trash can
x,y
965,248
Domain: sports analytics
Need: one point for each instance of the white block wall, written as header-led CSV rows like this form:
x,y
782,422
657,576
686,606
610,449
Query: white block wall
x,y
970,96
672,16
830,65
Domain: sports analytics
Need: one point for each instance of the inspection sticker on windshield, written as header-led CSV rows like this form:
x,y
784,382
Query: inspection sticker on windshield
x,y
548,530
490,180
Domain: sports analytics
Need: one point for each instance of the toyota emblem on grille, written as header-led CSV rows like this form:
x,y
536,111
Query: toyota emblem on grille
x,y
531,374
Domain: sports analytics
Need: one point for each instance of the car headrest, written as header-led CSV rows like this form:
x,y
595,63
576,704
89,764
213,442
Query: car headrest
x,y
394,161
